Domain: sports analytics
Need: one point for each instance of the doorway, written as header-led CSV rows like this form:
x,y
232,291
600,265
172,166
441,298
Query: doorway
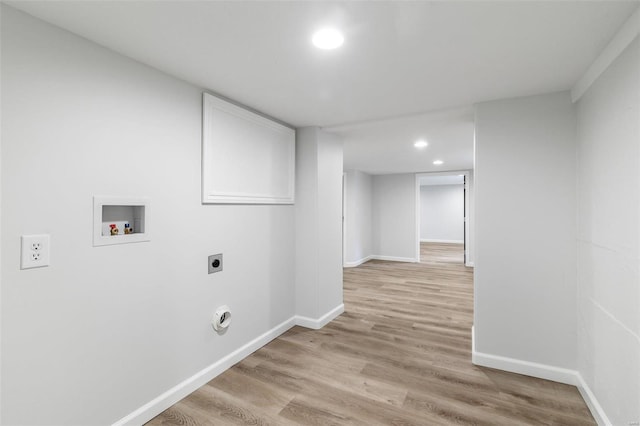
x,y
444,203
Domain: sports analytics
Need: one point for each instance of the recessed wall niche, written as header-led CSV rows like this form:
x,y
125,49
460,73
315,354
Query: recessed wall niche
x,y
120,220
246,158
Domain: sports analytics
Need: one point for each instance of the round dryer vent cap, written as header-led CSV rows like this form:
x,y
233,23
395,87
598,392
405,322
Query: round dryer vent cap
x,y
221,318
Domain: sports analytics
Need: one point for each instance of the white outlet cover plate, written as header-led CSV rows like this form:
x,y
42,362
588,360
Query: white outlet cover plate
x,y
35,251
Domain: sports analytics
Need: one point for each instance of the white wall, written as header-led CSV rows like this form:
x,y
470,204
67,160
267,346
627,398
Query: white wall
x,y
442,213
330,163
318,261
306,208
104,330
609,238
471,219
1,234
525,285
394,217
358,225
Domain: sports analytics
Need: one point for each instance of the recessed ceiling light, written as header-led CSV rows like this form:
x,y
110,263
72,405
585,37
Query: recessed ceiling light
x,y
328,38
438,162
421,144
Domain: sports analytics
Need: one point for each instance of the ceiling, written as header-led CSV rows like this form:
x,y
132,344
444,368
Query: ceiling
x,y
398,59
386,146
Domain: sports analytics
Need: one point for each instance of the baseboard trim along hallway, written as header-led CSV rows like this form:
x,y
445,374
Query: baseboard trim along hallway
x,y
176,393
377,257
541,371
317,324
396,259
399,354
358,262
430,240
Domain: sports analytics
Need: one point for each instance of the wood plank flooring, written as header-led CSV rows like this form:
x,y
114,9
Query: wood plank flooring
x,y
399,355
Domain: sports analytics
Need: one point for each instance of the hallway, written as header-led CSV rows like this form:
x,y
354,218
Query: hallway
x,y
441,253
400,354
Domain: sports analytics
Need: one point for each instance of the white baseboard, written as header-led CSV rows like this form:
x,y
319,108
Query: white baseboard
x,y
395,259
533,369
317,324
541,371
181,390
176,393
470,264
429,240
590,399
378,257
357,262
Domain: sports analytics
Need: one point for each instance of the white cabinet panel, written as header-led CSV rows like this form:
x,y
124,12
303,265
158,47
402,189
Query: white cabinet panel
x,y
246,158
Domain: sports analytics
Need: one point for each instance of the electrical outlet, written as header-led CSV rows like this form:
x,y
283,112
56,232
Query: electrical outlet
x,y
215,263
35,251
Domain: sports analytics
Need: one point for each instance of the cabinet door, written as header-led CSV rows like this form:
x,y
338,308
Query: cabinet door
x,y
246,158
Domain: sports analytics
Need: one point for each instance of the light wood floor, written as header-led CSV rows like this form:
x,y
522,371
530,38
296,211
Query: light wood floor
x,y
399,355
